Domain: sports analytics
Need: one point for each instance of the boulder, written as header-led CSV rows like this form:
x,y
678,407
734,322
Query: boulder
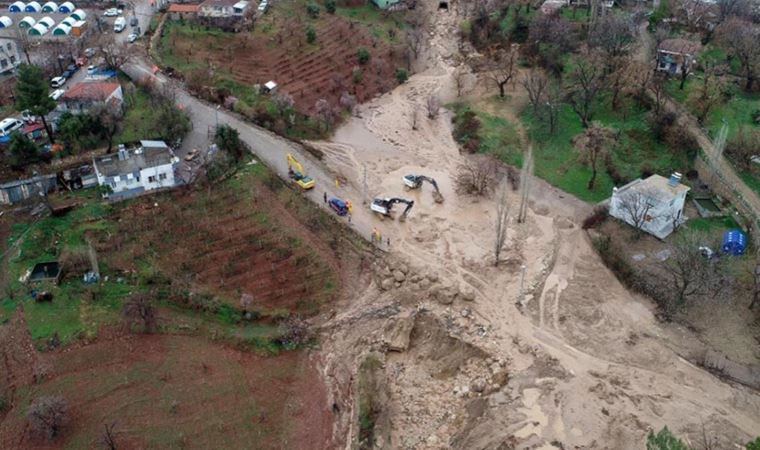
x,y
478,385
467,293
399,276
432,276
444,296
403,268
387,284
397,332
424,284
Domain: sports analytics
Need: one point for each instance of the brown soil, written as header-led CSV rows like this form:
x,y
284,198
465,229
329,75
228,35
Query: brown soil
x,y
179,392
308,72
235,241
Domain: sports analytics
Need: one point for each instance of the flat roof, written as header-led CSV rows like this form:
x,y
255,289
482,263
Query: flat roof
x,y
110,165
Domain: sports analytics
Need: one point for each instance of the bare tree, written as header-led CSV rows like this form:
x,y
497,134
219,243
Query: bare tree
x,y
460,78
593,147
755,282
476,176
108,438
415,38
503,69
693,13
656,88
324,112
47,416
110,116
115,54
636,207
525,184
728,8
554,98
613,34
535,84
433,106
502,219
740,38
708,94
687,273
585,83
139,311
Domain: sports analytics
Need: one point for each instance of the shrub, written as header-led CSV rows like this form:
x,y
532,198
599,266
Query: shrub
x,y
139,311
466,127
74,261
401,75
362,55
743,146
312,9
311,35
614,260
330,6
47,416
596,218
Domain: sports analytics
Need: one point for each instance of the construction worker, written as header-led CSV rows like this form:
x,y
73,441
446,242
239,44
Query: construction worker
x,y
375,235
325,197
349,206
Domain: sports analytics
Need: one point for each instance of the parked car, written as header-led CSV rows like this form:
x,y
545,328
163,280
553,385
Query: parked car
x,y
132,37
8,126
92,70
57,82
67,74
192,155
72,68
89,52
111,12
56,94
133,21
263,6
119,25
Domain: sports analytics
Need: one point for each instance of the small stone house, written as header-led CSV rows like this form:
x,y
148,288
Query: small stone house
x,y
132,172
672,54
654,204
179,11
84,96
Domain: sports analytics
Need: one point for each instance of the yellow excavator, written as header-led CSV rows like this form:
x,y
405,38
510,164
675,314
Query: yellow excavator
x,y
296,172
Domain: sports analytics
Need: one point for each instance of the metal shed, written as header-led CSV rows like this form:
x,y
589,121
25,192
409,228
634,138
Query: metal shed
x,y
66,8
20,190
27,22
79,14
17,7
33,7
50,7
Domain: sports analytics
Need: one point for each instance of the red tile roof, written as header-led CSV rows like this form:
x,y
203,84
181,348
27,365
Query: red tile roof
x,y
91,91
178,8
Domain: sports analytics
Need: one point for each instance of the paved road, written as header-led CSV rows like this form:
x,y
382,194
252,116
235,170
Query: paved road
x,y
268,147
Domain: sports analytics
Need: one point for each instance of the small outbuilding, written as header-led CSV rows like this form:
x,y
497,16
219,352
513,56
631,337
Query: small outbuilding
x,y
27,22
17,7
33,7
62,30
50,7
734,242
38,30
66,8
45,271
47,21
5,22
70,21
79,14
78,28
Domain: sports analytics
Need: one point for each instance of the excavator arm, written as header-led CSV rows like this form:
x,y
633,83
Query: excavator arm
x,y
295,170
409,205
415,181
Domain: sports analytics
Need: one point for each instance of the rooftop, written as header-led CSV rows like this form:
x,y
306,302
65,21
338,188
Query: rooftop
x,y
180,8
213,3
680,46
655,185
137,159
91,90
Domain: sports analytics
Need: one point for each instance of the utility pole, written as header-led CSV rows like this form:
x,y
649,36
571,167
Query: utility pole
x,y
364,184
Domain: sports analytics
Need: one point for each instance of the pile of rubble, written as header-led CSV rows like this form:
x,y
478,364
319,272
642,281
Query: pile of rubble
x,y
390,275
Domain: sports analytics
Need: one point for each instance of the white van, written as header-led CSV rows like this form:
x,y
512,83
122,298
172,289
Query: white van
x,y
9,125
119,24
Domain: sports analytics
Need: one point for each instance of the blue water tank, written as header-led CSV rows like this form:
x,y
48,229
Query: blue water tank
x,y
734,242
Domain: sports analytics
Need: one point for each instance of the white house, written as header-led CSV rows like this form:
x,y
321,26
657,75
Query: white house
x,y
655,205
131,172
87,94
223,8
9,56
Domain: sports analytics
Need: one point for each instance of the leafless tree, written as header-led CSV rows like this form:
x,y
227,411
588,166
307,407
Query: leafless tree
x,y
693,13
729,8
755,283
503,68
584,85
526,177
47,416
139,311
502,219
324,112
535,84
554,97
657,90
295,332
283,101
617,78
636,207
415,39
108,438
740,38
476,176
708,93
613,34
115,54
687,273
593,148
433,106
110,116
460,78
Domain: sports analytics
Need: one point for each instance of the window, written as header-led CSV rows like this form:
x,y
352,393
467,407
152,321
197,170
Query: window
x,y
162,176
3,63
10,46
13,59
152,179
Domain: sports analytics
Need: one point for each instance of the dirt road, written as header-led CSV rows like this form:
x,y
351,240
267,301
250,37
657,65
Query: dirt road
x,y
579,361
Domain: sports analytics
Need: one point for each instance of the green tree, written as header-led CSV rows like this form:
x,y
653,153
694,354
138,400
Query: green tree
x,y
32,94
312,9
402,75
228,140
362,55
664,440
23,151
79,132
754,445
330,6
311,35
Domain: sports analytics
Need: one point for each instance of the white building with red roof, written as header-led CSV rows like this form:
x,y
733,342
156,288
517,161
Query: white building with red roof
x,y
84,96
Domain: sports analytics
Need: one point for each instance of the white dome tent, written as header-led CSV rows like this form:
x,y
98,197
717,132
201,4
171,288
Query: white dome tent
x,y
27,22
70,21
38,30
5,22
50,7
17,7
66,8
79,14
62,30
33,7
47,21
